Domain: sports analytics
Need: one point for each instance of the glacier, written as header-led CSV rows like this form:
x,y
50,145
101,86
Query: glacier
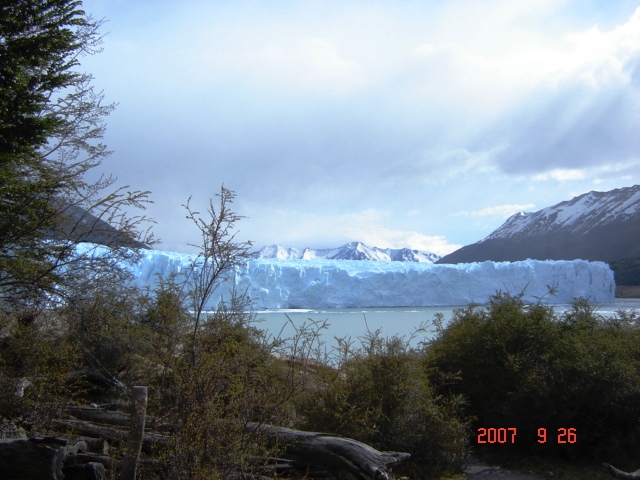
x,y
313,284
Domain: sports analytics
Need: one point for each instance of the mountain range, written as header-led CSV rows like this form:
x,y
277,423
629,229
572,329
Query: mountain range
x,y
349,251
596,226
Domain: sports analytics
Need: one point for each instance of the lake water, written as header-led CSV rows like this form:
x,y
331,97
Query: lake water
x,y
401,321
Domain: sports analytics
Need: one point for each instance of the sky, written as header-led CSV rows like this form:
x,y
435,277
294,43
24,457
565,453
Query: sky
x,y
398,123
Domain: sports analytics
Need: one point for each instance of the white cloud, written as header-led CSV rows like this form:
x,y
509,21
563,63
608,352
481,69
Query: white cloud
x,y
498,210
311,229
367,227
560,175
596,174
594,56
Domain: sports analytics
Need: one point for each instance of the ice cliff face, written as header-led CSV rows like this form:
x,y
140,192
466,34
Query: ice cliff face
x,y
344,284
273,283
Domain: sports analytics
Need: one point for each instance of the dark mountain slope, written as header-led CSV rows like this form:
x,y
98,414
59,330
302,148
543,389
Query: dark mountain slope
x,y
602,226
78,225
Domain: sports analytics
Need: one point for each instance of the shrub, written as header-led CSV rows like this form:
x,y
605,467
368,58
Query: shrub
x,y
209,398
35,359
216,371
525,367
103,323
380,395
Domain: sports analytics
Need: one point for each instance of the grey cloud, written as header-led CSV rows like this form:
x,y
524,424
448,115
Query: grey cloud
x,y
573,128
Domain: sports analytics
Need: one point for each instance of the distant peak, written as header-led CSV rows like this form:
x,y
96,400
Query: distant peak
x,y
593,226
355,250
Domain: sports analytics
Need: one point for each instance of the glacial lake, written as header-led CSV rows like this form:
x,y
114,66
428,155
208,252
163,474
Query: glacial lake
x,y
353,323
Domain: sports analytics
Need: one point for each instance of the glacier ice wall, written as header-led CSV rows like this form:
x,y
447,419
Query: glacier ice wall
x,y
344,284
273,283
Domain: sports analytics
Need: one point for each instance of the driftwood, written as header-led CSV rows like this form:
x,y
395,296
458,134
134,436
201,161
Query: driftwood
x,y
620,474
40,458
334,452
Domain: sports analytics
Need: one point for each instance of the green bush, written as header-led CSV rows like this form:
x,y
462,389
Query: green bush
x,y
209,384
104,324
34,363
525,367
380,394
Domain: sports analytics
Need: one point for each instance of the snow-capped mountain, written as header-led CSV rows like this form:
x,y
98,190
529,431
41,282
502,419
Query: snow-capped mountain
x,y
349,251
602,226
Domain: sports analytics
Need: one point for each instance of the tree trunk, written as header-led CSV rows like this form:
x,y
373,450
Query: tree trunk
x,y
334,452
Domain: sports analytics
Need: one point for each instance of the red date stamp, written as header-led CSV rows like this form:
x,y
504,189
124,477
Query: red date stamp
x,y
508,435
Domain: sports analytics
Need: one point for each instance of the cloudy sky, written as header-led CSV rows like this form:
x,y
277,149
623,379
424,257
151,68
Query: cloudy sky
x,y
399,123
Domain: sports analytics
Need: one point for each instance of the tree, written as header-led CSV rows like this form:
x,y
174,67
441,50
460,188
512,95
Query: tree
x,y
218,256
51,124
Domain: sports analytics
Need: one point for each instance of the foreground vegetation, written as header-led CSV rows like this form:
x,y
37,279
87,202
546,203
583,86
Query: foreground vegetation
x,y
73,332
522,366
509,365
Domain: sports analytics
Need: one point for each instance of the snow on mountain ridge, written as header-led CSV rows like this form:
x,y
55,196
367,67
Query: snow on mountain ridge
x,y
349,251
578,215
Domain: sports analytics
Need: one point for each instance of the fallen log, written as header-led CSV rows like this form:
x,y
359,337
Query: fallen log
x,y
333,452
620,474
99,415
310,449
105,415
94,445
112,434
82,458
88,429
40,458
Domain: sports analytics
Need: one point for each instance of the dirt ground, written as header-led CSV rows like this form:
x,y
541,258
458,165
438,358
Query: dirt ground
x,y
497,473
479,471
